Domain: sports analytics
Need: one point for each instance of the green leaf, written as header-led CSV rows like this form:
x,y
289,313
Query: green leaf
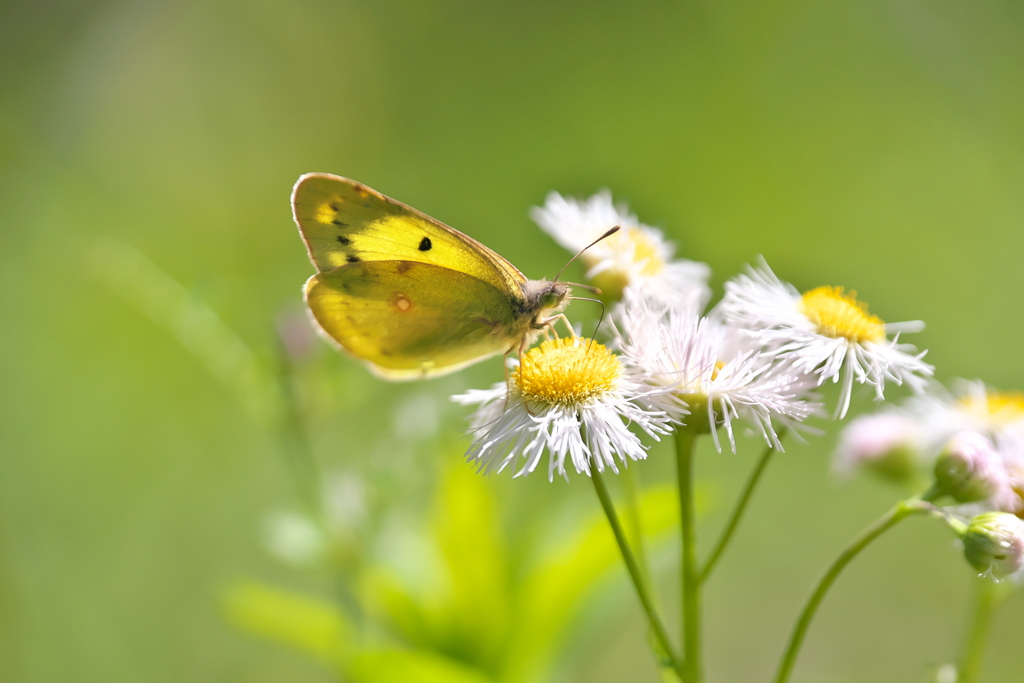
x,y
560,583
411,666
471,539
457,600
307,624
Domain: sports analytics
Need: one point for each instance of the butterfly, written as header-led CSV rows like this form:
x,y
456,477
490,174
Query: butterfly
x,y
406,294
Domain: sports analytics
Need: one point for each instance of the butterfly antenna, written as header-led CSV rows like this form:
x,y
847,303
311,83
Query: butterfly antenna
x,y
580,252
599,320
590,288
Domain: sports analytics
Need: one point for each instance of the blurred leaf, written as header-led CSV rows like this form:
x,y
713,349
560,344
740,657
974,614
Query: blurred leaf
x,y
310,625
552,595
463,611
467,526
411,666
415,613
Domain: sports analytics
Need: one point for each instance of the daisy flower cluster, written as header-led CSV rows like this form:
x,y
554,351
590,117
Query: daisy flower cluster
x,y
970,443
973,426
754,360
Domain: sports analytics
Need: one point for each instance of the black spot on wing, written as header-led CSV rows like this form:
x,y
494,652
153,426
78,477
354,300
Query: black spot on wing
x,y
343,240
425,244
352,258
339,223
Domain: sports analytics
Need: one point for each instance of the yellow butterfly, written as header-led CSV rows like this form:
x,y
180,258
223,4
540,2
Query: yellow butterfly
x,y
405,293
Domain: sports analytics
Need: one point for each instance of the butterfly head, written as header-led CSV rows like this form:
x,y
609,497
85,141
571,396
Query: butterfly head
x,y
544,300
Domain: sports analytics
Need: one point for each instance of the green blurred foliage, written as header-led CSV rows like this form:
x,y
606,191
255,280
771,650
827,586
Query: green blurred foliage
x,y
468,606
872,144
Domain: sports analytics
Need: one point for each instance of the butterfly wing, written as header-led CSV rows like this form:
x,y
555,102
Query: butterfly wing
x,y
343,221
410,320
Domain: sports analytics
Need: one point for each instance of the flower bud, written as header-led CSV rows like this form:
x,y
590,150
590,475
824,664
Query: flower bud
x,y
884,443
969,469
994,544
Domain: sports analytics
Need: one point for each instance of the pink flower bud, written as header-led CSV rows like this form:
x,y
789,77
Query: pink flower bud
x,y
970,469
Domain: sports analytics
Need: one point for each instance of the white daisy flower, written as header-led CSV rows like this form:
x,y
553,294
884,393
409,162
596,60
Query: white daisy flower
x,y
970,406
974,431
824,332
637,257
698,358
571,398
974,407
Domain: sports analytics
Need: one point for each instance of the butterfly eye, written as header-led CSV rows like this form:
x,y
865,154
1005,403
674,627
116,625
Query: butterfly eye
x,y
551,298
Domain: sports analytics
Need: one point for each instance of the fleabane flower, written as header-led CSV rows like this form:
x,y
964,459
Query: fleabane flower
x,y
825,332
971,406
571,398
700,361
638,257
972,438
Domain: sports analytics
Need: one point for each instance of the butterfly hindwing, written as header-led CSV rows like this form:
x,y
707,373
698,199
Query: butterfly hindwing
x,y
409,319
343,222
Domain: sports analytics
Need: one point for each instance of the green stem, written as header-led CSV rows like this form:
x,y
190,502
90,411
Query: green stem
x,y
632,499
690,576
880,526
635,573
308,479
984,607
296,444
737,513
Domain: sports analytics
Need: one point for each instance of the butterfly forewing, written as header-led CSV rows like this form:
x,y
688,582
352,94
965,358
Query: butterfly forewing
x,y
344,222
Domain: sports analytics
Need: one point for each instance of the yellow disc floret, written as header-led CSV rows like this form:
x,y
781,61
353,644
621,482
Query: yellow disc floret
x,y
840,315
997,408
567,371
645,260
631,240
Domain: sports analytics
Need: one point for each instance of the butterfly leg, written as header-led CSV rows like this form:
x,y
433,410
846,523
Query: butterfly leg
x,y
508,380
550,324
504,364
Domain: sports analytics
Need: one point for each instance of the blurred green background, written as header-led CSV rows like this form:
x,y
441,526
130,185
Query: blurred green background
x,y
873,144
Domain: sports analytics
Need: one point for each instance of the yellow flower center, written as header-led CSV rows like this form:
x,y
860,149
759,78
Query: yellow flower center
x,y
566,371
629,240
718,368
632,239
840,315
996,407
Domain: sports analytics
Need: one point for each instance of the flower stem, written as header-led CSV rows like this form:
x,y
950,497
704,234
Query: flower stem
x,y
637,576
295,441
690,576
881,525
737,513
635,525
985,602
